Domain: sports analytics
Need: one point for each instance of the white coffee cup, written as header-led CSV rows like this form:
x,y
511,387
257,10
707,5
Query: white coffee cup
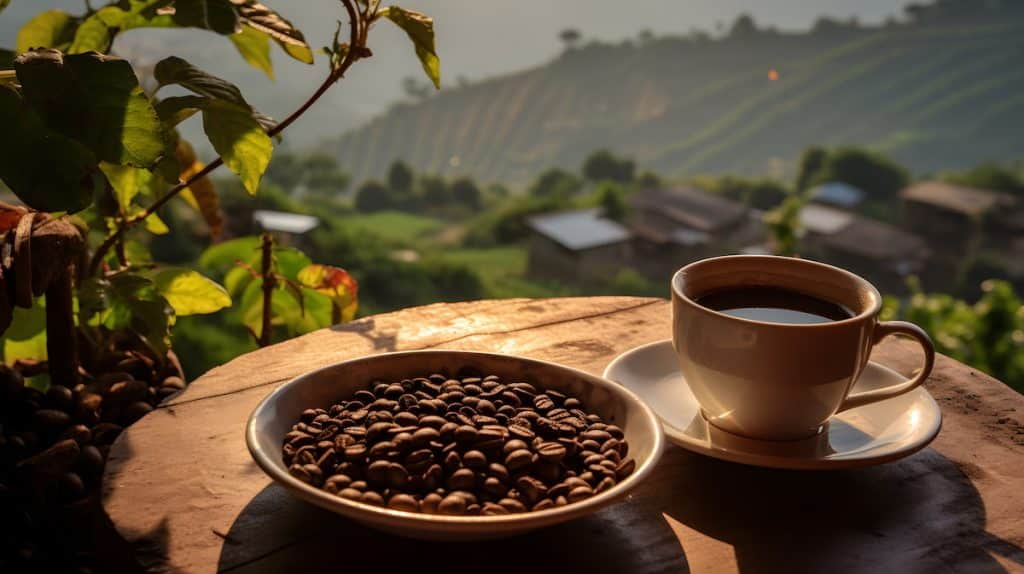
x,y
780,381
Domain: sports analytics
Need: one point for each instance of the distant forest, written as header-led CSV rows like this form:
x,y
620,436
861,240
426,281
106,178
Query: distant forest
x,y
941,88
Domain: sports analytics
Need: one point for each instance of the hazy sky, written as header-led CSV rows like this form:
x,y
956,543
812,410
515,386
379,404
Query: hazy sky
x,y
475,38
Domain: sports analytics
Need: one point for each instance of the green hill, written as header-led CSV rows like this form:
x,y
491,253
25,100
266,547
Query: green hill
x,y
939,92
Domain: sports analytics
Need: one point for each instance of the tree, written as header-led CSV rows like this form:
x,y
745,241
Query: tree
x,y
555,183
373,196
878,176
466,193
570,37
400,177
811,163
743,27
435,191
603,165
612,199
990,176
649,180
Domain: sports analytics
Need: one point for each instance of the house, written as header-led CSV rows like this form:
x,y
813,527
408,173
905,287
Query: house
x,y
288,227
953,216
577,245
883,254
673,227
838,194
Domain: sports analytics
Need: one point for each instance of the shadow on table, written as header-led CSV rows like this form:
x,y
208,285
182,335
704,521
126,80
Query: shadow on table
x,y
919,515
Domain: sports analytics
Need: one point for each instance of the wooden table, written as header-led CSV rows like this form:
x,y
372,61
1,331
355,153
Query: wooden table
x,y
181,489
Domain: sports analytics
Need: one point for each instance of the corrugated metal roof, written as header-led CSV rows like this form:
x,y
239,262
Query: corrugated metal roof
x,y
578,230
691,207
824,220
284,222
838,193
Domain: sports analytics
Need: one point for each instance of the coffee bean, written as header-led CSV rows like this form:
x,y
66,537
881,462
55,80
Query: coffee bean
x,y
544,504
531,488
383,449
625,469
461,479
465,433
543,402
404,502
494,487
426,445
474,459
452,505
579,493
351,494
430,502
499,471
378,430
518,459
337,483
605,484
493,509
551,451
514,444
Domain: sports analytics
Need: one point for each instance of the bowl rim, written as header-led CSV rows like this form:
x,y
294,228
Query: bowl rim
x,y
271,464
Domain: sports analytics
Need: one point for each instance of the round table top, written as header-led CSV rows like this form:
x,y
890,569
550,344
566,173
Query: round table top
x,y
183,492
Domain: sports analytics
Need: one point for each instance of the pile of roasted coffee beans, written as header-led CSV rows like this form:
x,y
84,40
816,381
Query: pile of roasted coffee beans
x,y
469,446
53,447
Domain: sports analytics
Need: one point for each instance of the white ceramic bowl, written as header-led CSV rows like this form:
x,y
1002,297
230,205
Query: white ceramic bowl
x,y
276,414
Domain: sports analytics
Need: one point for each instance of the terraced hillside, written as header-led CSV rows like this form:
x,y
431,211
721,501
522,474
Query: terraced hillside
x,y
938,96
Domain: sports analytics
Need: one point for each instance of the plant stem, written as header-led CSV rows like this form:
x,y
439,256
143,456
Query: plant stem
x,y
61,346
269,283
357,50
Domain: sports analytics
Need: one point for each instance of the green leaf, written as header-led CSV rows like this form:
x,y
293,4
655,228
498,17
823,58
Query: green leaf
x,y
26,337
174,70
190,293
52,29
126,182
221,257
289,261
45,169
282,31
96,100
217,15
92,35
135,303
155,225
420,29
240,140
254,46
174,110
237,280
7,60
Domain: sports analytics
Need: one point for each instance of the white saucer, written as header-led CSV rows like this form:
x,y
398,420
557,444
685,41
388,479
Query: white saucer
x,y
864,436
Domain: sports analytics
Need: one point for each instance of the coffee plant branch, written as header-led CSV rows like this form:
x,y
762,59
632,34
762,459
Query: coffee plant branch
x,y
358,26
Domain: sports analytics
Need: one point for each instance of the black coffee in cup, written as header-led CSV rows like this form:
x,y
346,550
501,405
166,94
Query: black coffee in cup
x,y
773,305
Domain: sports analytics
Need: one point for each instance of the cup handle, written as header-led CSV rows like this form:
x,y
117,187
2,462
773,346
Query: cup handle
x,y
883,330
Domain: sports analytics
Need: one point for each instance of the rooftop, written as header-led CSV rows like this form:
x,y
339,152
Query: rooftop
x,y
861,235
294,223
838,193
966,200
824,220
691,207
578,230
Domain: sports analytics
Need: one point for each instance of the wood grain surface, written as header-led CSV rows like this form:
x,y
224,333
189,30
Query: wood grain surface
x,y
182,491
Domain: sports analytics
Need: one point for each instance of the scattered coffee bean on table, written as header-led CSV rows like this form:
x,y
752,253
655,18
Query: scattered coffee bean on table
x,y
458,446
